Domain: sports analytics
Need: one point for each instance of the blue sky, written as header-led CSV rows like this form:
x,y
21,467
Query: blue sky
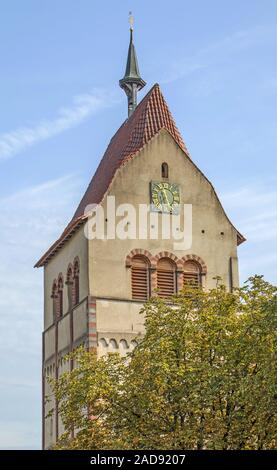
x,y
61,104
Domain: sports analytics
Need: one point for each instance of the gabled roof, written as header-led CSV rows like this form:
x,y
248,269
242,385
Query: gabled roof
x,y
151,115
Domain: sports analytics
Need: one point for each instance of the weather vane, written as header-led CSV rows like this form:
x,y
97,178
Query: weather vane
x,y
131,20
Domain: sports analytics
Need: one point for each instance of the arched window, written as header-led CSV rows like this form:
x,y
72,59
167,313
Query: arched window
x,y
75,290
192,274
123,345
133,344
164,170
54,296
69,283
140,278
166,277
103,346
113,345
103,343
59,311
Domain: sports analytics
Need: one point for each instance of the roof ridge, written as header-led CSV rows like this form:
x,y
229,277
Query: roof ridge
x,y
133,115
150,116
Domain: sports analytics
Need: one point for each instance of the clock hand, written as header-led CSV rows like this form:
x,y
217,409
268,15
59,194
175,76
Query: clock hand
x,y
166,198
160,197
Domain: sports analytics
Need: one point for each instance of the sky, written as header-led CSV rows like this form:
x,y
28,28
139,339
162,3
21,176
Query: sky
x,y
60,63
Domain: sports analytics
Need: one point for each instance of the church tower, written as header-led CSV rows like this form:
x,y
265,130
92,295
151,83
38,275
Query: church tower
x,y
95,286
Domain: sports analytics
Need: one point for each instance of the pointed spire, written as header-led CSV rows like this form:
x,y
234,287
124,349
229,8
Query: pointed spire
x,y
132,81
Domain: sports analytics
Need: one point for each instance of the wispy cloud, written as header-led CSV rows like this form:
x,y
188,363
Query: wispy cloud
x,y
253,208
218,52
16,383
256,207
82,107
30,220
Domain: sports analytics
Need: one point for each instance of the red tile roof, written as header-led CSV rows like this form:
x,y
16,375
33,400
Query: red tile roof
x,y
151,115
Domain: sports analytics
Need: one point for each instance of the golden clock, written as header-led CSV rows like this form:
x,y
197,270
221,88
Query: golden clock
x,y
165,197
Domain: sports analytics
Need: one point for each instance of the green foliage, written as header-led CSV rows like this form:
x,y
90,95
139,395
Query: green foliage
x,y
202,377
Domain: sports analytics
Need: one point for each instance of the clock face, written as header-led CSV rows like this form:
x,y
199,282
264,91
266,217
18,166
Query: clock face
x,y
165,197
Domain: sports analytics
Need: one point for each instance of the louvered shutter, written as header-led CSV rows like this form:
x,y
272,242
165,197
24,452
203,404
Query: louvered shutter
x,y
140,278
166,278
191,275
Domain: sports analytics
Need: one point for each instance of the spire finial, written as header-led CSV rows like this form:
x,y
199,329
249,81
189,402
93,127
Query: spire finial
x,y
132,81
131,21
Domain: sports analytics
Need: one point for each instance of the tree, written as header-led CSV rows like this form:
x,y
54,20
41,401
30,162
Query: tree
x,y
202,377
